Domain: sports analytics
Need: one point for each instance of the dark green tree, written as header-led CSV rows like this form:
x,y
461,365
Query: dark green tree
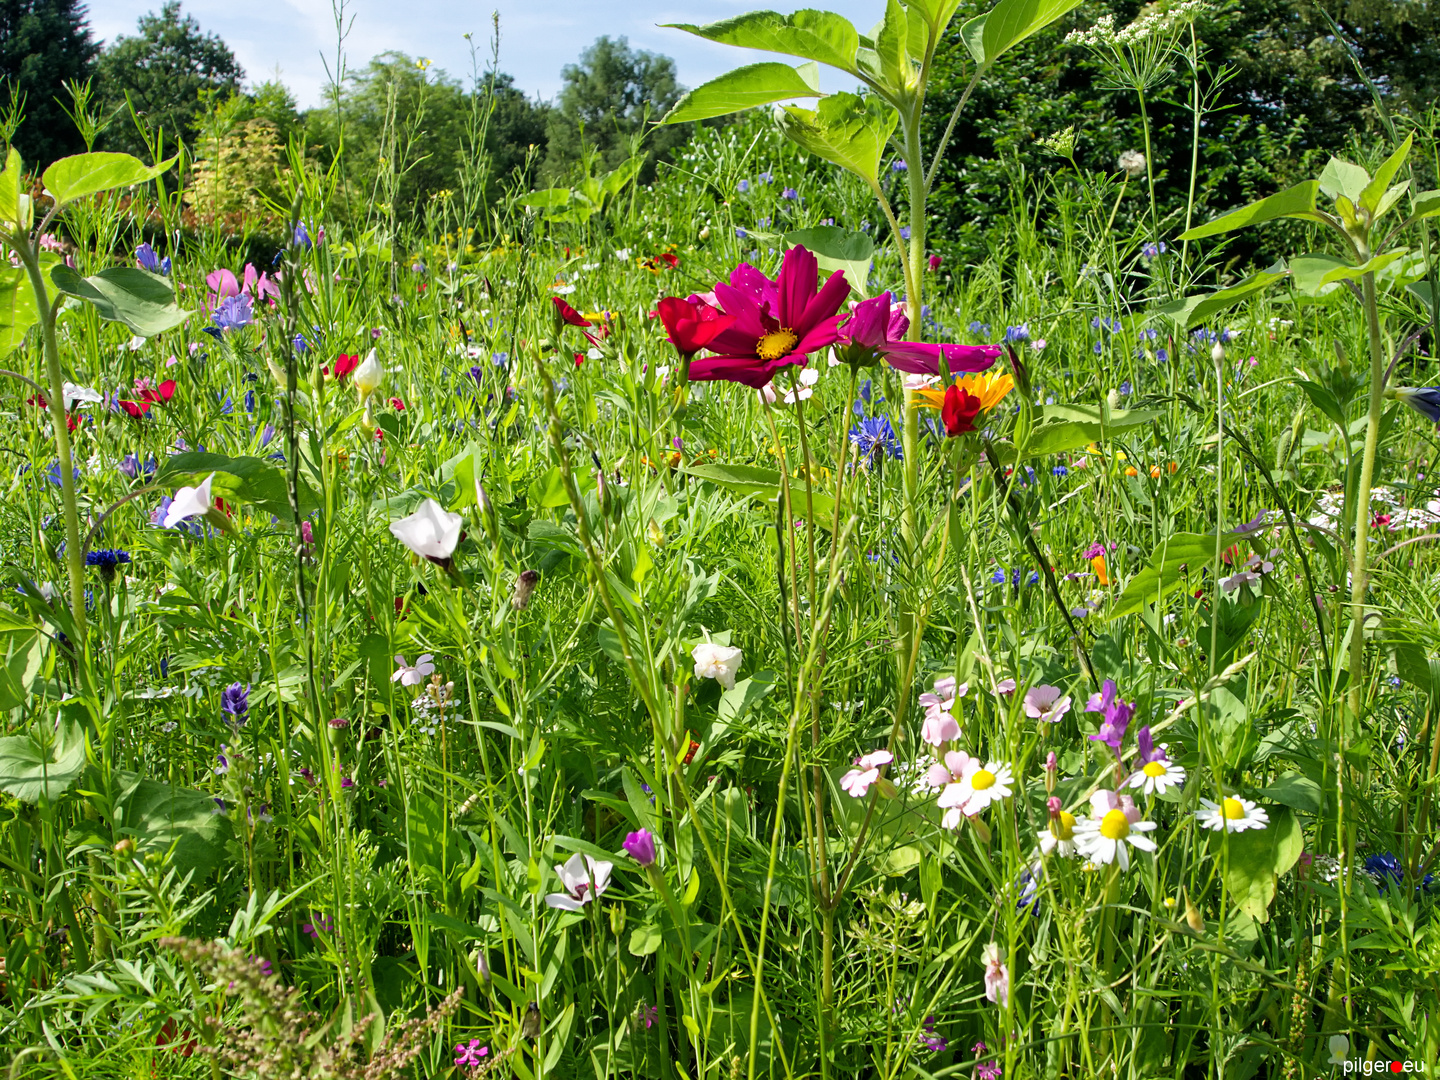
x,y
43,45
605,102
168,71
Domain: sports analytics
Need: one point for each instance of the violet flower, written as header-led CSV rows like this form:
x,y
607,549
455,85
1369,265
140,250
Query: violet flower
x,y
1115,716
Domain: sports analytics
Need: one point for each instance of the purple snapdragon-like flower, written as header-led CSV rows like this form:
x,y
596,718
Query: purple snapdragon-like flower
x,y
1115,716
235,703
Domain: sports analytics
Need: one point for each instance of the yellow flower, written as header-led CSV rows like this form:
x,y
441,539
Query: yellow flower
x,y
988,386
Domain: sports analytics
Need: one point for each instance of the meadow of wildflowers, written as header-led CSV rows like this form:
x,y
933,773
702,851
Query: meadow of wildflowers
x,y
715,636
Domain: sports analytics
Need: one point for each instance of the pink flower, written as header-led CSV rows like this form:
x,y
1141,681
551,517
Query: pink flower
x,y
857,781
940,727
1046,703
876,331
1005,687
997,976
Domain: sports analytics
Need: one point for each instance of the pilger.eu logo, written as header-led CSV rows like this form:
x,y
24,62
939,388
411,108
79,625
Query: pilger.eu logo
x,y
1340,1055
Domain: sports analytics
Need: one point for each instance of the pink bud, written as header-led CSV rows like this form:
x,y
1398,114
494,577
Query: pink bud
x,y
935,262
1050,763
1053,804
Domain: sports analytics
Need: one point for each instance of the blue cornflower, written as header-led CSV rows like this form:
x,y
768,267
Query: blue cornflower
x,y
1125,388
131,466
979,329
740,232
500,359
226,405
234,313
106,560
874,437
1017,333
898,165
766,177
301,345
148,260
302,236
1061,471
235,703
743,186
249,401
1162,355
790,193
1388,870
998,577
53,473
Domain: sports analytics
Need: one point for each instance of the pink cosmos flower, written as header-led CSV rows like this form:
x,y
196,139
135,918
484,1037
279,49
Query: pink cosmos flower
x,y
777,323
876,331
857,781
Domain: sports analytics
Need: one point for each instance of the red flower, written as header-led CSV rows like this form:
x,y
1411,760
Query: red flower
x,y
344,365
134,409
568,316
656,262
692,324
579,358
777,323
959,410
690,753
38,400
162,394
397,404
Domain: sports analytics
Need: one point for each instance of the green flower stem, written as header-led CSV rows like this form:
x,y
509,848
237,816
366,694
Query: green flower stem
x,y
1360,569
74,557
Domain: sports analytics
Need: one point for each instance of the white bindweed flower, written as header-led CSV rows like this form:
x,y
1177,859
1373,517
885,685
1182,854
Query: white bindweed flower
x,y
432,531
718,662
368,376
1232,814
584,879
81,395
189,502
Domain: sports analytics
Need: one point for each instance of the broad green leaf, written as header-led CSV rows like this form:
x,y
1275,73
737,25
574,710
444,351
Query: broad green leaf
x,y
744,88
547,199
33,767
548,490
1012,21
1162,575
891,39
1342,178
1421,291
1194,310
1378,187
75,177
645,939
143,301
249,480
936,13
1323,399
1297,201
809,34
835,248
845,130
1257,860
1314,271
164,818
10,189
616,179
1389,199
765,484
1427,204
1062,428
1297,791
972,32
17,308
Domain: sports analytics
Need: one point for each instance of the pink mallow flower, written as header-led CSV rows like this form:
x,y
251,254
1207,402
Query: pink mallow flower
x,y
1046,703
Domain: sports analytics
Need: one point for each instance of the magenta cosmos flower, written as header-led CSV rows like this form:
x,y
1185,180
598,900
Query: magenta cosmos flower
x,y
777,323
876,331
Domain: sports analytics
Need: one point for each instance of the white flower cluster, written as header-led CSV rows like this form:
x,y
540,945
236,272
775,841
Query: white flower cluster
x,y
1152,22
1329,506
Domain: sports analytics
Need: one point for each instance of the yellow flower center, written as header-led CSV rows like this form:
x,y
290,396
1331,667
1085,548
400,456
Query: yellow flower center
x,y
776,344
1154,768
1063,826
1115,825
982,779
1233,809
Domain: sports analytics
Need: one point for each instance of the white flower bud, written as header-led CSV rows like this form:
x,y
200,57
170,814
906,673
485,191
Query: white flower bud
x,y
1217,353
368,376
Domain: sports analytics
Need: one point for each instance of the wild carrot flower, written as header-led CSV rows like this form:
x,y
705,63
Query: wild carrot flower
x,y
1232,813
777,323
857,781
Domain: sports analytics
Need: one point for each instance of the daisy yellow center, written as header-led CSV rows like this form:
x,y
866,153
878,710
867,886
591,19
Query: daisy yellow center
x,y
982,779
1115,825
1233,809
1062,827
1153,768
776,344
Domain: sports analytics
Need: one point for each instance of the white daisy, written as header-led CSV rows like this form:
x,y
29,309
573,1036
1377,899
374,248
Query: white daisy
x,y
1059,835
984,784
1116,823
1233,814
1156,777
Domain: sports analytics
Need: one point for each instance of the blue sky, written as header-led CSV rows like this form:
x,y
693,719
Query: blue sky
x,y
538,37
